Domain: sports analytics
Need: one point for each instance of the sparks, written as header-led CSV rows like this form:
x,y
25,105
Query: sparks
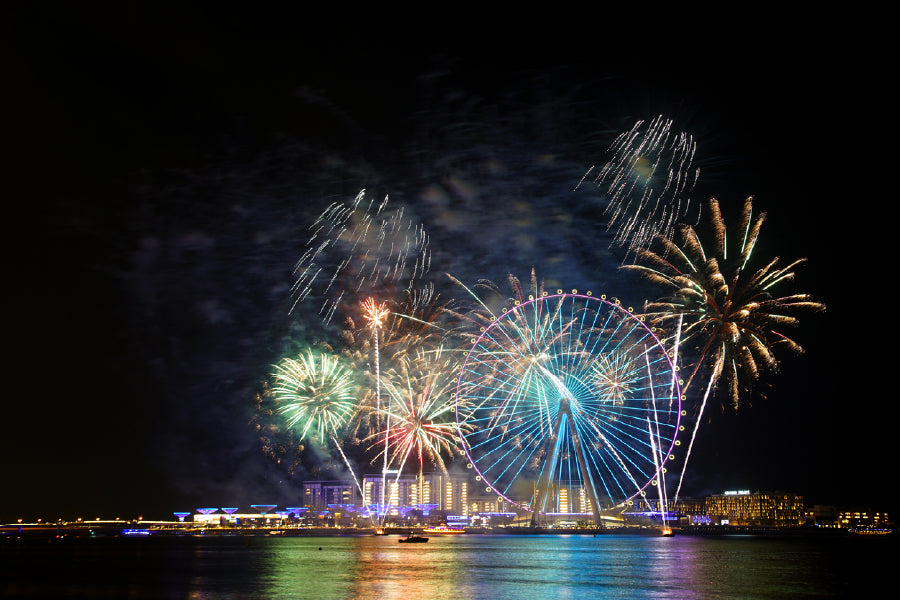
x,y
375,314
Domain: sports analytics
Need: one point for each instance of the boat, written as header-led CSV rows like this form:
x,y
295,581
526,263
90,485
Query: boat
x,y
413,539
870,531
380,531
444,530
667,532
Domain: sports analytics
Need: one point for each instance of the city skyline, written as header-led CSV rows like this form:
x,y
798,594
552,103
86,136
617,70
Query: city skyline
x,y
163,194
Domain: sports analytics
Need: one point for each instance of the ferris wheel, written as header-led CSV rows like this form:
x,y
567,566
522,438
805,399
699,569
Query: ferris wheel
x,y
568,403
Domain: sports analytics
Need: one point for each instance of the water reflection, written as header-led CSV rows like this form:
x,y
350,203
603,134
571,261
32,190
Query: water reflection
x,y
525,567
518,567
362,567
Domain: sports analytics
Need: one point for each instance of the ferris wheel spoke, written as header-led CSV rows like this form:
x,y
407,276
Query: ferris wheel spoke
x,y
628,437
505,477
529,443
627,443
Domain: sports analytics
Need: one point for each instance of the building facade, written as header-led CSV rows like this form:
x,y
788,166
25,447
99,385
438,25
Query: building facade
x,y
434,491
763,509
319,495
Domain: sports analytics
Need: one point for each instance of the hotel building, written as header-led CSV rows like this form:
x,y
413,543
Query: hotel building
x,y
435,491
763,509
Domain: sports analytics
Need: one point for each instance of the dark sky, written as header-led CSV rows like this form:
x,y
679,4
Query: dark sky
x,y
158,181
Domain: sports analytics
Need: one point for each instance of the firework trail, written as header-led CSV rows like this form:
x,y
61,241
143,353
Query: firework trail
x,y
375,314
355,248
646,180
727,314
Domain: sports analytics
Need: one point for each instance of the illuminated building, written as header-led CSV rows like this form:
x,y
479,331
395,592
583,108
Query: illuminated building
x,y
448,493
568,499
487,504
319,494
455,492
766,509
400,490
584,501
693,509
264,508
856,518
231,517
833,517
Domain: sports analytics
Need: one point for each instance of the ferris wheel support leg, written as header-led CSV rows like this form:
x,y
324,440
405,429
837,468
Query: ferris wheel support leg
x,y
586,479
543,486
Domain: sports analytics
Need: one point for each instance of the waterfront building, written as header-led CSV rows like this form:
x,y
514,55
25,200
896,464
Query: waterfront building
x,y
489,504
852,519
447,493
762,509
319,495
823,515
396,487
692,510
450,492
233,518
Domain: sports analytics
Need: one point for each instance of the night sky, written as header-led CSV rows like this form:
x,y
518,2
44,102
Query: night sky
x,y
159,180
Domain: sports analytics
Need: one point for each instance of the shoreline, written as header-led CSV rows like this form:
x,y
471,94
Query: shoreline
x,y
135,530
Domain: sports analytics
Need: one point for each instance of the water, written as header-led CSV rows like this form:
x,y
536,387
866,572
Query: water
x,y
495,567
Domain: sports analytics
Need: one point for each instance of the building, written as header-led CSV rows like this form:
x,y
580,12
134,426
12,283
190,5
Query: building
x,y
489,504
762,509
862,518
693,510
844,518
319,495
447,493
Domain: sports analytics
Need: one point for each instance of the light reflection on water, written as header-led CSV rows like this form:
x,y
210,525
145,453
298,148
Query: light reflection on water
x,y
496,567
524,567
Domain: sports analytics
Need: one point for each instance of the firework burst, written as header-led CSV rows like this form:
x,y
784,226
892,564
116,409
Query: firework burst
x,y
728,315
487,301
314,393
355,248
615,377
647,180
418,322
420,415
375,314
